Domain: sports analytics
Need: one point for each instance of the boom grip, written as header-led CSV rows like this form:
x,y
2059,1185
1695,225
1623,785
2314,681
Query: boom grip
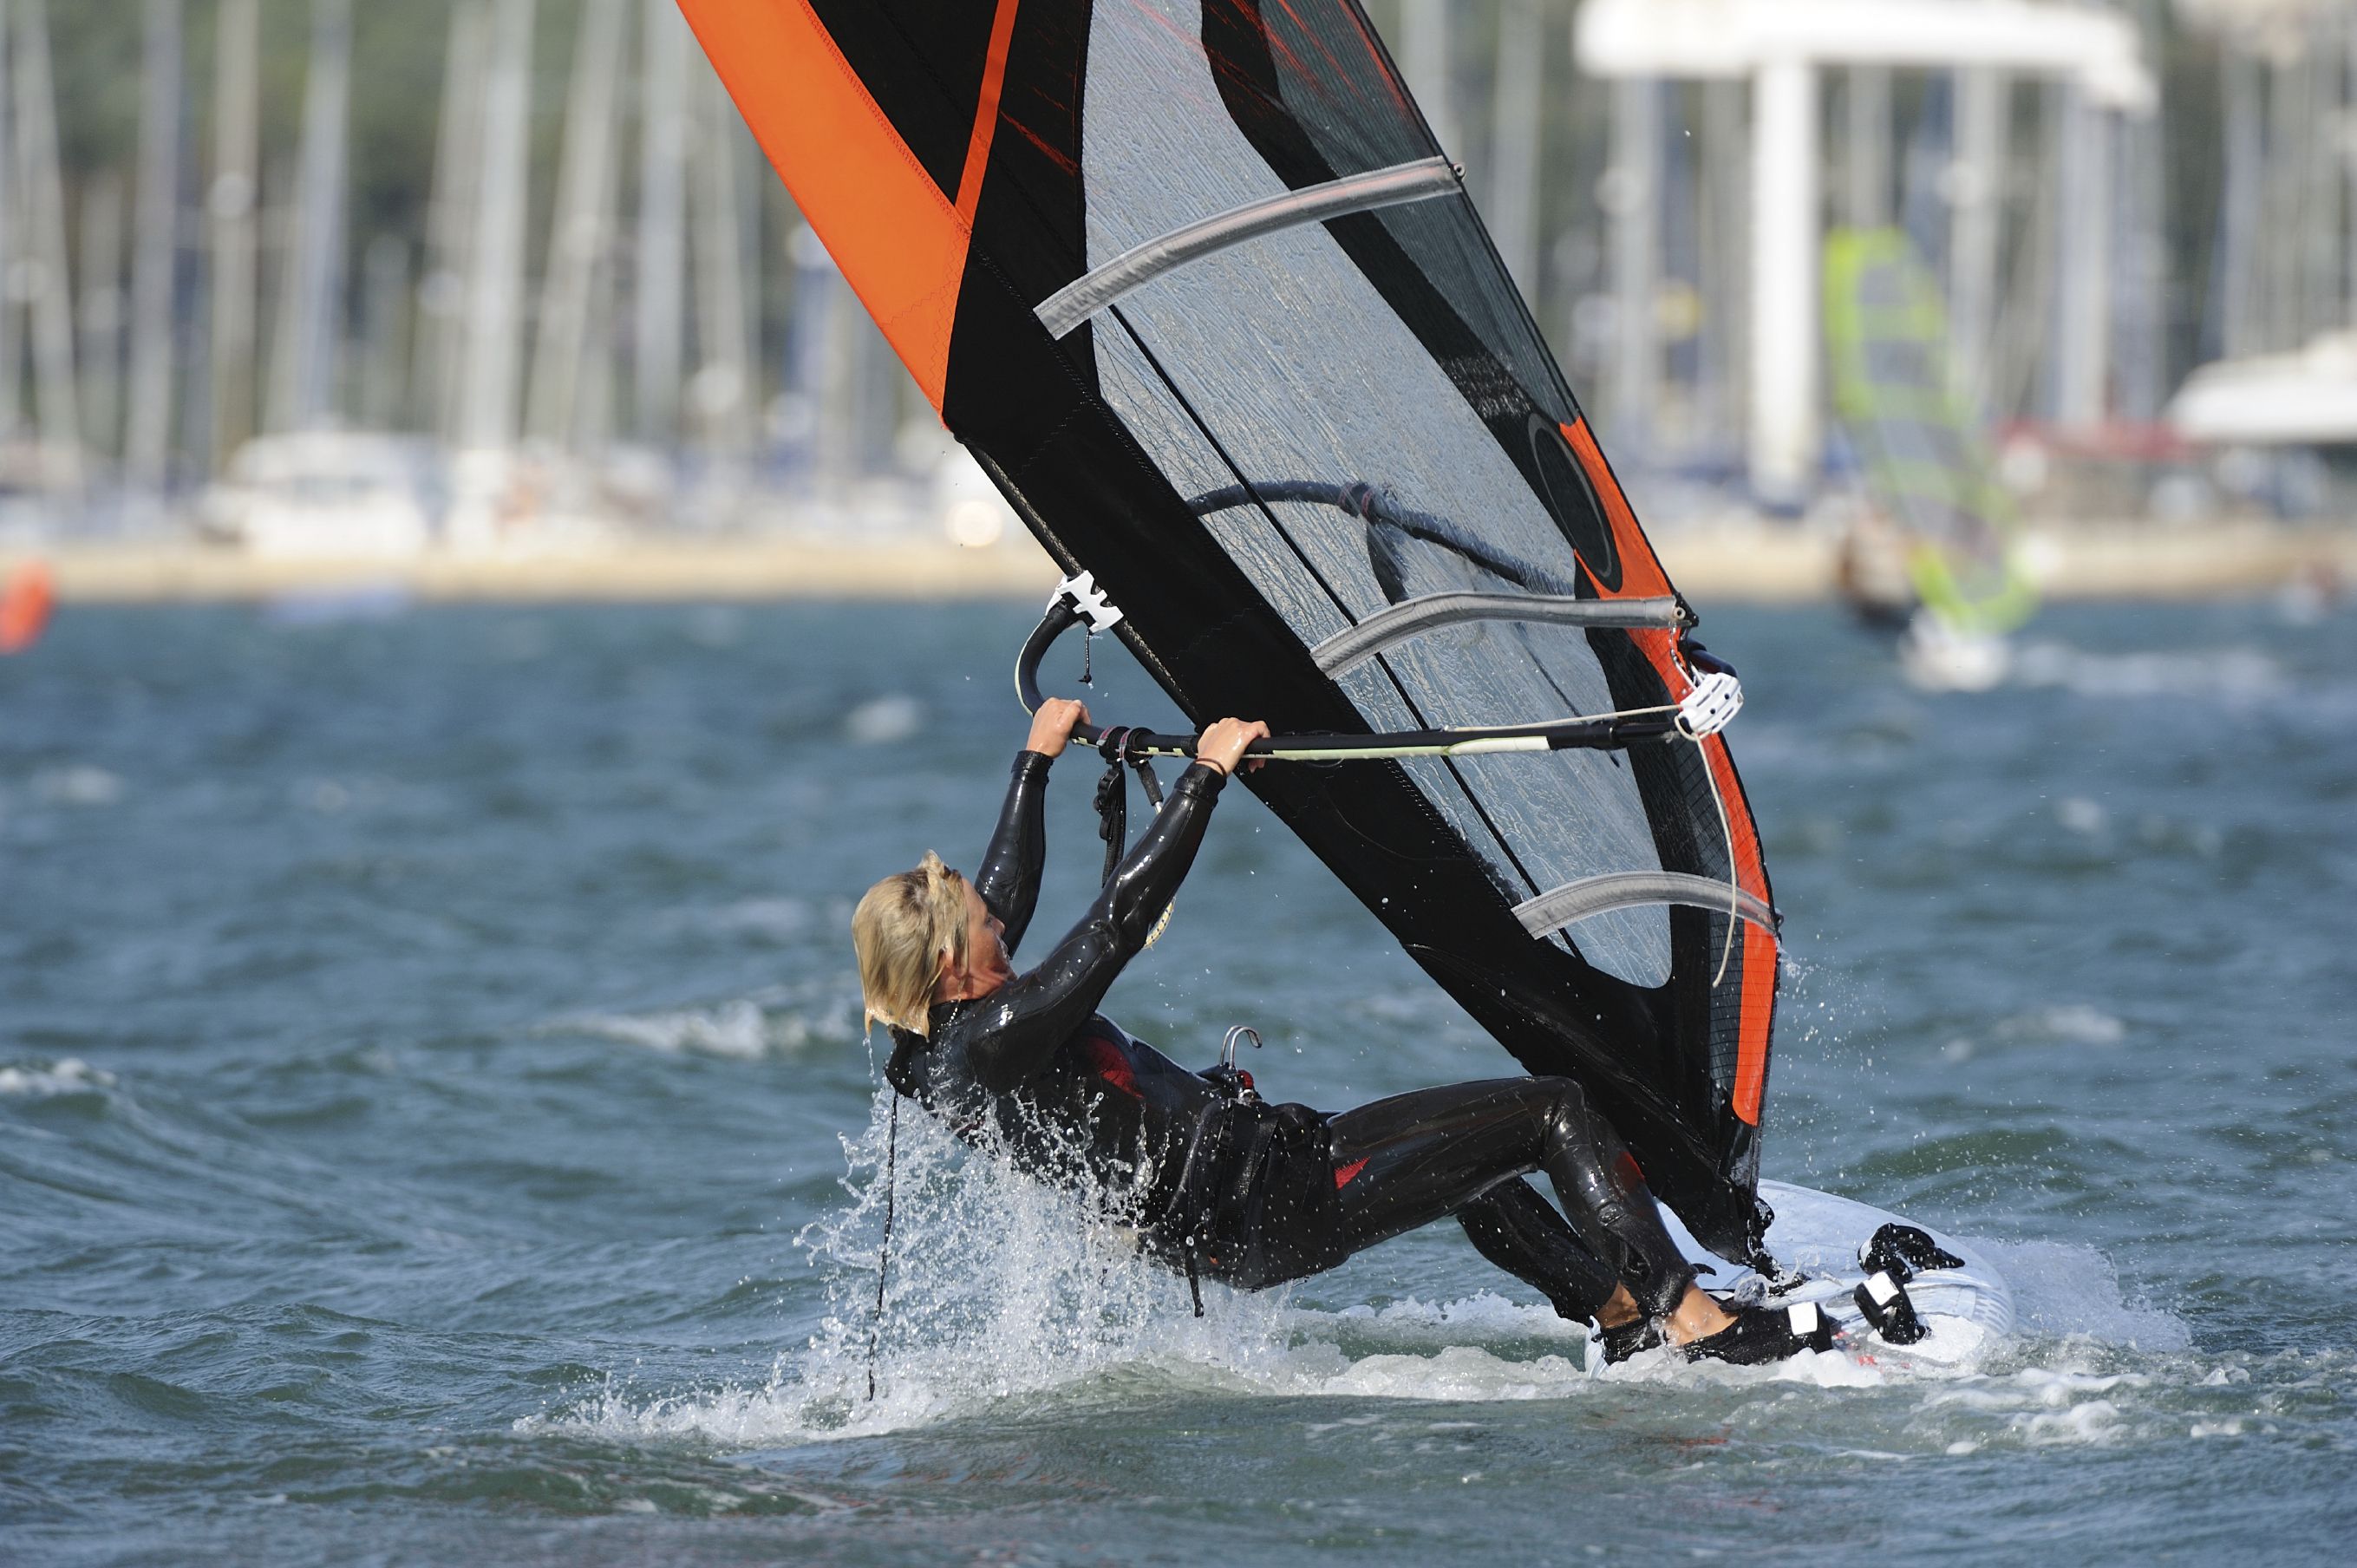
x,y
1606,733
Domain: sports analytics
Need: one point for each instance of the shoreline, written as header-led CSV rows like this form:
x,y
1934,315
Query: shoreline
x,y
1738,561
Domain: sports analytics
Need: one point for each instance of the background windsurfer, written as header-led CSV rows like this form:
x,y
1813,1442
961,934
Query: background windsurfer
x,y
1218,1181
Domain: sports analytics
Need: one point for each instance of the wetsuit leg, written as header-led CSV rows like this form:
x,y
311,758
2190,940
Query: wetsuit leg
x,y
1413,1158
1526,1235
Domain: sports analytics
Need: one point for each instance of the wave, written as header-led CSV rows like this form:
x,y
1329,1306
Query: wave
x,y
68,1075
743,1029
2227,675
1000,1298
79,784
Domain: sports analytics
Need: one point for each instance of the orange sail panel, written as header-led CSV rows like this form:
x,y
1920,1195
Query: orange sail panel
x,y
899,238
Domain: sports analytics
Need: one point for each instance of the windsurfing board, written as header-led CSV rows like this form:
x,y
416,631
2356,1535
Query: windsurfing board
x,y
1817,1237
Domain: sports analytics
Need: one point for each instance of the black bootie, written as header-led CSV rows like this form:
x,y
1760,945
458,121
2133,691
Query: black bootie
x,y
1763,1334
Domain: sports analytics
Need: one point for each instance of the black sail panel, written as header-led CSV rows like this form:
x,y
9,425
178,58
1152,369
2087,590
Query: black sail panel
x,y
1266,443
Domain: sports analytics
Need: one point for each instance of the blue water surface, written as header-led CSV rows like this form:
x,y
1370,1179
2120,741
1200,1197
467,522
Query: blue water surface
x,y
435,1124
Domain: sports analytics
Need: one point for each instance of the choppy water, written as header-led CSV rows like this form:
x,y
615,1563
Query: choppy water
x,y
430,1077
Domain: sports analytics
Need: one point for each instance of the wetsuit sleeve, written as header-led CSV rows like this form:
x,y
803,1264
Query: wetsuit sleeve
x,y
1008,879
1016,1029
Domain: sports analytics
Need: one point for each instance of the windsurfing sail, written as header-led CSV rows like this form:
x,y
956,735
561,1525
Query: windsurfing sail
x,y
1925,460
1194,283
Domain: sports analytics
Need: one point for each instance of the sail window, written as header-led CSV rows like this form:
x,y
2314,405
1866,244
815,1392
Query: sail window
x,y
1420,181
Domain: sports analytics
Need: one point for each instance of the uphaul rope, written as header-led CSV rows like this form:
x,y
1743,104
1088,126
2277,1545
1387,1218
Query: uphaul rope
x,y
1717,698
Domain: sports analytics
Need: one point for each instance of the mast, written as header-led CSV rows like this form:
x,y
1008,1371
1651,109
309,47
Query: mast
x,y
43,250
2082,327
303,392
581,234
2287,106
722,386
487,402
2320,286
12,239
102,309
230,206
1424,29
1514,141
1785,286
661,282
147,439
1726,264
1866,192
1635,186
1983,96
384,294
450,223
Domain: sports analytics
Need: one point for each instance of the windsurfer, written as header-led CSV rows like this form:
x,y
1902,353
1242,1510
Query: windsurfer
x,y
1225,1183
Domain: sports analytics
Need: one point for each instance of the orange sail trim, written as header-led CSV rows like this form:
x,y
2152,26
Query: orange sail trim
x,y
985,114
900,242
1641,569
1642,574
1759,1008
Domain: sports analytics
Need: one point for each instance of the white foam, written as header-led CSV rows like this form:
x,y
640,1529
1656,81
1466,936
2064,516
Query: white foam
x,y
1000,1287
70,1075
779,1021
778,919
2072,1023
2068,1292
736,1029
79,785
2236,673
883,720
1483,1315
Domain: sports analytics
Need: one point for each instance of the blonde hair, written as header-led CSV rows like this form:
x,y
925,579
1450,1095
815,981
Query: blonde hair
x,y
908,929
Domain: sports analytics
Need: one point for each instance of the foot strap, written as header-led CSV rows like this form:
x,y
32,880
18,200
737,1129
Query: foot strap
x,y
1902,1251
1890,1309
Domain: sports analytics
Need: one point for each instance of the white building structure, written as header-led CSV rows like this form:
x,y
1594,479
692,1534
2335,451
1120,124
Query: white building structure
x,y
1783,47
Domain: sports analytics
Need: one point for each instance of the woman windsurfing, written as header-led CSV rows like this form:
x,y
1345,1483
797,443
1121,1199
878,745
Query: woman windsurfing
x,y
1225,1183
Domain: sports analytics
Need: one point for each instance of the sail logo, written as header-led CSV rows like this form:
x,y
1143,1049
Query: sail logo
x,y
1564,484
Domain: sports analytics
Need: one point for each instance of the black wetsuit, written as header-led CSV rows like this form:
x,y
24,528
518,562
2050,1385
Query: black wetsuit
x,y
1250,1193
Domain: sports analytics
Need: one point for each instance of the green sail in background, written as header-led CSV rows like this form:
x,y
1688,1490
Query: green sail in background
x,y
1925,460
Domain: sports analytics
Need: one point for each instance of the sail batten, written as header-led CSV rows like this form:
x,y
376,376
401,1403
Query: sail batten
x,y
1423,180
1346,651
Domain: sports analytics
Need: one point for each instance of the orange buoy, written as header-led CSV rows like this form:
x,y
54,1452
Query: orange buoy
x,y
25,605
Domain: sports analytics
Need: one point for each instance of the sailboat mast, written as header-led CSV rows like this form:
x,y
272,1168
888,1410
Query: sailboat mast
x,y
661,278
1978,213
304,394
722,383
230,206
43,211
12,234
1634,188
147,439
1866,150
1424,29
100,307
450,221
482,471
495,287
1514,141
2083,329
578,238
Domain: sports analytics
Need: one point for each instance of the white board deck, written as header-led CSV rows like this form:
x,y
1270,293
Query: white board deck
x,y
1819,1235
